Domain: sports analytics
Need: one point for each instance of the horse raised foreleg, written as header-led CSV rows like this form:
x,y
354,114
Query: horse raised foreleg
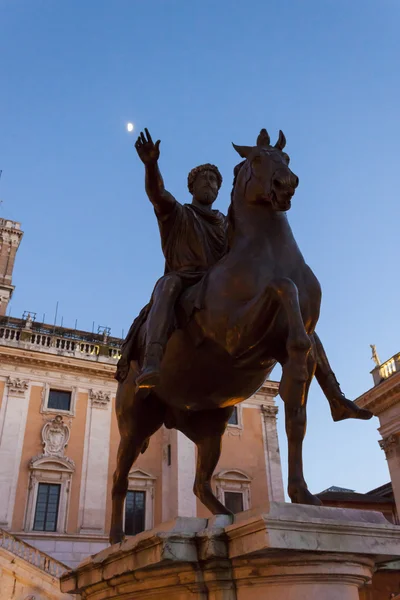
x,y
137,421
341,407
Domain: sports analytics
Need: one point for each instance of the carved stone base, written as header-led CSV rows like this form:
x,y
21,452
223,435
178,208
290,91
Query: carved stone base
x,y
293,552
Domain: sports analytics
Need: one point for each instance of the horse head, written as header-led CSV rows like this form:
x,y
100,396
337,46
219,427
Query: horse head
x,y
265,176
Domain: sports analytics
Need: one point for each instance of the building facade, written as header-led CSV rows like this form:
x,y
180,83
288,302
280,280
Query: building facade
x,y
383,400
59,440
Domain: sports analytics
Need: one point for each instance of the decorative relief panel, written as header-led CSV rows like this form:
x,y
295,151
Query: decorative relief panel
x,y
99,399
55,436
52,466
17,386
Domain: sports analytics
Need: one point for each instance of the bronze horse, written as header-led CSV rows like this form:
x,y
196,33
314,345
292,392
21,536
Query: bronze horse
x,y
261,304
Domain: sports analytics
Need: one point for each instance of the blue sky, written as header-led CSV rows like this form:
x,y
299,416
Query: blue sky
x,y
199,75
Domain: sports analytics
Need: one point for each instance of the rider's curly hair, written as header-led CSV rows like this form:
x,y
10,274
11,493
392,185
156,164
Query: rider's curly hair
x,y
207,167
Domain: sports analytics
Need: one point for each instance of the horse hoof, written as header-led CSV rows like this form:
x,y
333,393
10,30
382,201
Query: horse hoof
x,y
341,409
303,496
116,537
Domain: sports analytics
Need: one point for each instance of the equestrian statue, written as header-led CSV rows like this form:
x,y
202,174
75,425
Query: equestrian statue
x,y
236,298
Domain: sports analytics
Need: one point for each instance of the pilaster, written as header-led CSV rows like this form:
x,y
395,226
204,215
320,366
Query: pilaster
x,y
178,475
390,444
13,414
93,496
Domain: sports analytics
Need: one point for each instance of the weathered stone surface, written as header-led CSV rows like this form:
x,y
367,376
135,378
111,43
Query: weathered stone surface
x,y
294,552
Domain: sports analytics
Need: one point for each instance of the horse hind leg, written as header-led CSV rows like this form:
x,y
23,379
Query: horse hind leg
x,y
136,426
298,368
295,399
205,428
208,453
298,344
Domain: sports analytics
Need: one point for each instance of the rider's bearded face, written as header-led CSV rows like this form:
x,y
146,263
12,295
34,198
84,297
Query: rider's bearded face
x,y
205,187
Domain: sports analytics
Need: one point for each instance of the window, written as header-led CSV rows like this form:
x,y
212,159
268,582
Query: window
x,y
59,397
135,512
233,489
234,501
59,400
169,455
47,502
234,418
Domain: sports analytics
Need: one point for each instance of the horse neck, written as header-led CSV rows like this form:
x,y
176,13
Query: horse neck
x,y
257,226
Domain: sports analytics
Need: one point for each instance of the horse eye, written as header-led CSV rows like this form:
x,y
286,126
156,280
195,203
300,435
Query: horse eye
x,y
286,157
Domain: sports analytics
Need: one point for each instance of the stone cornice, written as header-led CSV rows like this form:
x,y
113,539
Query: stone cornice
x,y
28,358
382,396
265,394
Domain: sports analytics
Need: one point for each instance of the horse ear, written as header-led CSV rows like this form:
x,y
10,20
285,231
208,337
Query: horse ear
x,y
243,151
281,143
263,139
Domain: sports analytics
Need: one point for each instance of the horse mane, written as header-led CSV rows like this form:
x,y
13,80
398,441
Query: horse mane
x,y
230,214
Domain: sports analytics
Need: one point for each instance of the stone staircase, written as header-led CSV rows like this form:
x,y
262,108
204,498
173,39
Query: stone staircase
x,y
27,570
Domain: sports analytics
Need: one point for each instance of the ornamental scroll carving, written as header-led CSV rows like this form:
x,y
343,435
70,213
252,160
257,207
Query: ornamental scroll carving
x,y
389,444
100,399
55,436
17,386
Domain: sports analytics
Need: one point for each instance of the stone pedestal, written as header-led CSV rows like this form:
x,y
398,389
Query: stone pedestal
x,y
291,552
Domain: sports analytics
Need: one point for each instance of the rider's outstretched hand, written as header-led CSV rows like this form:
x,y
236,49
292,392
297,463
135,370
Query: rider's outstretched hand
x,y
149,152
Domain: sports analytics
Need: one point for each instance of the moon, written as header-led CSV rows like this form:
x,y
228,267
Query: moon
x,y
130,127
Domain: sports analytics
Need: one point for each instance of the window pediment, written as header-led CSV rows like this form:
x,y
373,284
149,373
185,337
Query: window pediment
x,y
52,463
233,475
140,474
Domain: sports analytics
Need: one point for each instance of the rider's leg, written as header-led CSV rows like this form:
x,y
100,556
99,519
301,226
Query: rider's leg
x,y
341,408
158,328
123,363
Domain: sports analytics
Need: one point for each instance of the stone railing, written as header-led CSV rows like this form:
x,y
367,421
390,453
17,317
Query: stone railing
x,y
386,369
78,344
7,333
32,555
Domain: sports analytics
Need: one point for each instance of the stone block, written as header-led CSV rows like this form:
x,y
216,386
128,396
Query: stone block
x,y
63,546
83,547
97,547
44,545
292,552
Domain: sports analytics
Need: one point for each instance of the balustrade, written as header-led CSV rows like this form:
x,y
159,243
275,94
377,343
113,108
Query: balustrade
x,y
32,555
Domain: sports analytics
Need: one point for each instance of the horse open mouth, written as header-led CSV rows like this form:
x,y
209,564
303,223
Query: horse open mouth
x,y
281,201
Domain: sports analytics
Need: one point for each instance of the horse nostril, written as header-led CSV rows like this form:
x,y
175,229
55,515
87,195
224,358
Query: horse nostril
x,y
295,181
277,182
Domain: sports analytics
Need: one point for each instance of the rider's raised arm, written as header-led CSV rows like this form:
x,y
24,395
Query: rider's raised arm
x,y
149,153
